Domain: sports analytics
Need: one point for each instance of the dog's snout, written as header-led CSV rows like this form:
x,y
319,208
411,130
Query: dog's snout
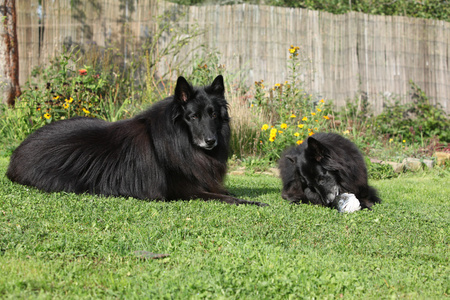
x,y
211,141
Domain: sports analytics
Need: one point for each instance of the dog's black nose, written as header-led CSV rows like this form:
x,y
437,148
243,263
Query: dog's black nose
x,y
210,141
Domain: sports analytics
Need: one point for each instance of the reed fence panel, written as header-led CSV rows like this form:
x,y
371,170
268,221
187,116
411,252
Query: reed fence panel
x,y
350,56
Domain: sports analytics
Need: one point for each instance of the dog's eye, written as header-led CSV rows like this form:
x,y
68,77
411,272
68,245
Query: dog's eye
x,y
194,117
213,115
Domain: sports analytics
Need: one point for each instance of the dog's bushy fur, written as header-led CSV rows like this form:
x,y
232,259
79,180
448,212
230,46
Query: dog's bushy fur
x,y
177,149
322,167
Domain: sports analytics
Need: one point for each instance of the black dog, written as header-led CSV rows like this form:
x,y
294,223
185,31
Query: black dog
x,y
323,167
177,149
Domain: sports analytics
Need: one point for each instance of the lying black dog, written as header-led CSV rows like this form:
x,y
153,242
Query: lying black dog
x,y
177,149
323,167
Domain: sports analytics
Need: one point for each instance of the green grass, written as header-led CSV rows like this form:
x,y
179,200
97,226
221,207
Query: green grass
x,y
78,246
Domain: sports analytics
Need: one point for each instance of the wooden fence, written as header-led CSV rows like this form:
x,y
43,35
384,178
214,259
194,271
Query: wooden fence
x,y
348,56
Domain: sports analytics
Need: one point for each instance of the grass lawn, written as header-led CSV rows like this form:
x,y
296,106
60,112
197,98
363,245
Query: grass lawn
x,y
78,246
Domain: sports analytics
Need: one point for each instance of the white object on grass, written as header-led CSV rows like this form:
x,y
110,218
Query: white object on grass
x,y
347,203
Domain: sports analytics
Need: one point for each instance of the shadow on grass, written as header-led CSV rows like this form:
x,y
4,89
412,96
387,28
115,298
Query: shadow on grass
x,y
256,192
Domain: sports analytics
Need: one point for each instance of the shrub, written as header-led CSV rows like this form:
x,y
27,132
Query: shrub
x,y
414,121
62,91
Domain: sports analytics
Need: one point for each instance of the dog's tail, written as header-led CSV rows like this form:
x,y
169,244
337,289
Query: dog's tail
x,y
373,195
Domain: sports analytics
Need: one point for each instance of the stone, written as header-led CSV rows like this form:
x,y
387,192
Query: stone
x,y
428,163
397,167
441,157
413,164
275,171
237,172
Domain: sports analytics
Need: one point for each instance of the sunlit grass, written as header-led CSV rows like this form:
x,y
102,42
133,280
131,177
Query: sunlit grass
x,y
65,245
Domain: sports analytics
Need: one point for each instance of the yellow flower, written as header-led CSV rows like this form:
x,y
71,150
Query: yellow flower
x,y
346,132
86,111
297,134
277,85
299,142
319,110
56,97
292,50
300,125
251,105
69,100
265,127
316,120
322,101
326,117
313,114
391,140
273,132
311,133
293,116
47,116
404,141
272,138
283,126
305,119
66,105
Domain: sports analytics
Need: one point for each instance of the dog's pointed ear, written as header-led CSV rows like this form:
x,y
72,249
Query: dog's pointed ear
x,y
217,87
316,149
292,158
183,90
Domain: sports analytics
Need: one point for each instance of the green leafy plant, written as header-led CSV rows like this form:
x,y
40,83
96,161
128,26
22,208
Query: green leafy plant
x,y
380,171
431,9
414,121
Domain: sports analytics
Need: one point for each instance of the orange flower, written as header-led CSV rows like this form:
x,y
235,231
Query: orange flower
x,y
82,72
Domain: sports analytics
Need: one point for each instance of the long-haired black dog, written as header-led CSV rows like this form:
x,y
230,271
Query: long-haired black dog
x,y
323,167
177,149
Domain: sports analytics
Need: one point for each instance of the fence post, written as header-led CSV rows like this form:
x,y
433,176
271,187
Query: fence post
x,y
9,53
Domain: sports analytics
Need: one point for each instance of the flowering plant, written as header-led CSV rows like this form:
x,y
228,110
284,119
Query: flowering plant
x,y
63,91
293,113
291,130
